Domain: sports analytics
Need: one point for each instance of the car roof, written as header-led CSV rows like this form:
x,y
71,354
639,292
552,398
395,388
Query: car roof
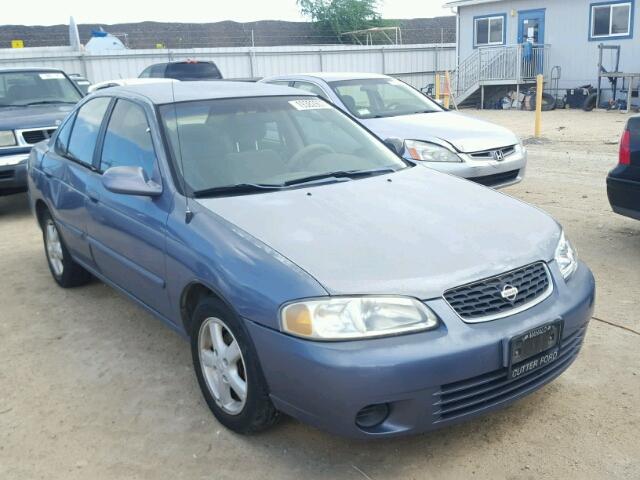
x,y
28,69
331,76
170,92
189,61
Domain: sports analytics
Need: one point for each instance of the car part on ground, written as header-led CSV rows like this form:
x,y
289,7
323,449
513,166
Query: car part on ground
x,y
548,100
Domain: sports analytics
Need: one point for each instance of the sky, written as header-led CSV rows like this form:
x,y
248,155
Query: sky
x,y
40,12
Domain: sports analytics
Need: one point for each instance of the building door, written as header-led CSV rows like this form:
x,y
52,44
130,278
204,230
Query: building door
x,y
531,27
531,36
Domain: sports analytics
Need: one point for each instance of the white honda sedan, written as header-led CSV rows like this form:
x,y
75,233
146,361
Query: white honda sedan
x,y
444,140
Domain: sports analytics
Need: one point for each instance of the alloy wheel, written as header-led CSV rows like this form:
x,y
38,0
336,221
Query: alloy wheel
x,y
54,248
222,365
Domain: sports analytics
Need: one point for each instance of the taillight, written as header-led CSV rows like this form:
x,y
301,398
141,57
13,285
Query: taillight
x,y
624,157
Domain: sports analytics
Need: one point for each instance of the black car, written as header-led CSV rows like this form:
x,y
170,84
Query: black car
x,y
623,182
189,70
33,102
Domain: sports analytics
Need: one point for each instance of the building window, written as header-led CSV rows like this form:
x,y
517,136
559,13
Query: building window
x,y
489,30
611,20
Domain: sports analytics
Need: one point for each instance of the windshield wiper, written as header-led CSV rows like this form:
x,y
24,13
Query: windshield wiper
x,y
47,102
238,189
351,174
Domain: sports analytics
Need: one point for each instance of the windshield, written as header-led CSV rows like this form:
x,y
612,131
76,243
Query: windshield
x,y
382,97
269,142
18,89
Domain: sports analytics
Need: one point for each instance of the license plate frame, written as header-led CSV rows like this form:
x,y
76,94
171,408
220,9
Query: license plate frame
x,y
534,349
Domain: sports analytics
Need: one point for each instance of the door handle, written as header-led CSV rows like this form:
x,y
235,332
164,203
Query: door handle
x,y
93,196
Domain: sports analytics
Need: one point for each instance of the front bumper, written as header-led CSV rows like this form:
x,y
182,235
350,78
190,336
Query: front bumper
x,y
492,173
429,379
13,173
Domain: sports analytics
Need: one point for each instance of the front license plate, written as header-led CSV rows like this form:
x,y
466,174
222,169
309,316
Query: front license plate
x,y
534,349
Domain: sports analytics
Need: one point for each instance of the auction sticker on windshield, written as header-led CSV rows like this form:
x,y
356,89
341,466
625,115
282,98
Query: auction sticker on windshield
x,y
310,104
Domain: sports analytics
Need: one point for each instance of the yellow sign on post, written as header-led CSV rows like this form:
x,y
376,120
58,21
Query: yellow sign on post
x,y
17,43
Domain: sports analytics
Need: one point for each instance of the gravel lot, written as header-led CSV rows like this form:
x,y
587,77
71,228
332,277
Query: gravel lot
x,y
93,387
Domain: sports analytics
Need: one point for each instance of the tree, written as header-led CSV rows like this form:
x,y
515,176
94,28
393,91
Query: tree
x,y
339,16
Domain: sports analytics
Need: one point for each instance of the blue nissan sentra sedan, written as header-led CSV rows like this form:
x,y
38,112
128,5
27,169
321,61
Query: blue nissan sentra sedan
x,y
314,271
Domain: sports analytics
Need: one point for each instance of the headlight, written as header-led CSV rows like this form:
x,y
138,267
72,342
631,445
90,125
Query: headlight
x,y
566,257
7,139
345,318
430,152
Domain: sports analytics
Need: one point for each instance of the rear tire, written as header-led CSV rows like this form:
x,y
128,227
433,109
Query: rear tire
x,y
65,271
228,370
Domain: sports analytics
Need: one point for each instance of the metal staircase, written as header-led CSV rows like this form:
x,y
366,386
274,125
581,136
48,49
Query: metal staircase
x,y
499,65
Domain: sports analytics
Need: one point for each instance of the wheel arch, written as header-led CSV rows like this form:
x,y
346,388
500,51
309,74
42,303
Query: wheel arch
x,y
41,208
191,295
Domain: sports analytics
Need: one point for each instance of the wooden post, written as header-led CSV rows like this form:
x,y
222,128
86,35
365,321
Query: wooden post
x,y
437,82
539,87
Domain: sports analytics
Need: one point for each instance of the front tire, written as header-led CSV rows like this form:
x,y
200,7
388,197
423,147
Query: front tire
x,y
65,271
228,370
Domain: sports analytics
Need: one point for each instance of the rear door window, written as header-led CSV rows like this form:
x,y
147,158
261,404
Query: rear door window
x,y
146,73
157,71
281,83
127,140
82,142
193,71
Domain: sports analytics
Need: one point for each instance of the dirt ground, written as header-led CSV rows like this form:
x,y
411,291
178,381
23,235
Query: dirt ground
x,y
92,387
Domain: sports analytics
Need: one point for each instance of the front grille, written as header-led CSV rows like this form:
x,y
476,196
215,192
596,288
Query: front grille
x,y
495,154
4,174
483,300
35,136
496,178
484,391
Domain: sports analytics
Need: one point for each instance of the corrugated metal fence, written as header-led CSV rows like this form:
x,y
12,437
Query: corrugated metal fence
x,y
414,64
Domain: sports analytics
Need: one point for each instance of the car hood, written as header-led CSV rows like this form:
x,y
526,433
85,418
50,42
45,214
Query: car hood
x,y
36,116
466,134
417,232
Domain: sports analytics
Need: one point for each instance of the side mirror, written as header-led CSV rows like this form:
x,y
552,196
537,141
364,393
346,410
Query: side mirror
x,y
395,145
130,181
